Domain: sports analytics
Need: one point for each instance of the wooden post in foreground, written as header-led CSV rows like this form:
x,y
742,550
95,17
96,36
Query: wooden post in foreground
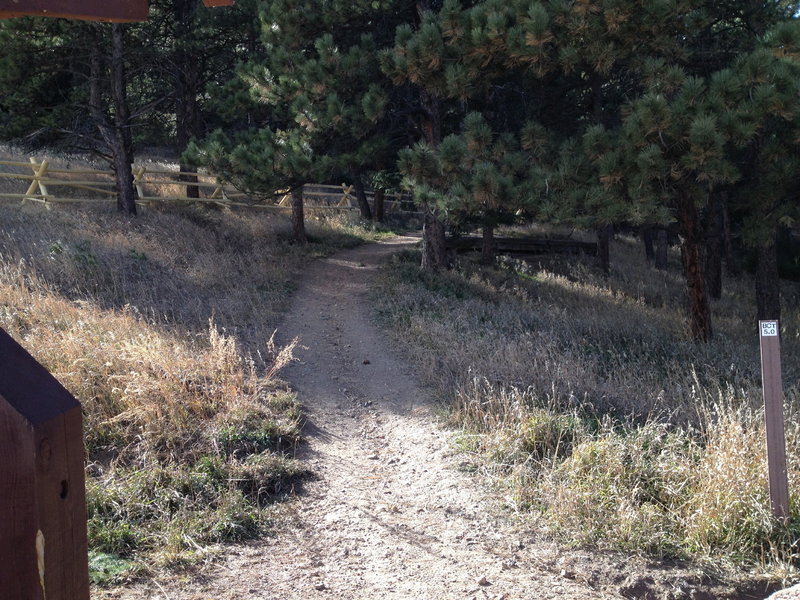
x,y
773,411
43,545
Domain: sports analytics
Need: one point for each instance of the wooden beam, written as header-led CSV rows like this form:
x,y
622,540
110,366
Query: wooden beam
x,y
39,171
525,245
43,540
773,411
117,11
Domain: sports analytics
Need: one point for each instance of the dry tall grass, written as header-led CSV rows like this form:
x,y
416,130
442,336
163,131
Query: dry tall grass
x,y
162,326
586,396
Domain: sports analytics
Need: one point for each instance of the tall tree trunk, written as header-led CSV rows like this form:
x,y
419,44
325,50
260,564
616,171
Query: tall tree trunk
x,y
713,235
731,264
699,310
361,195
488,247
603,248
298,218
768,293
435,256
380,206
434,253
662,249
433,239
187,78
647,240
123,146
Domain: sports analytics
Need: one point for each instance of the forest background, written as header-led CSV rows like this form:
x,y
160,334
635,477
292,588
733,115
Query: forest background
x,y
673,116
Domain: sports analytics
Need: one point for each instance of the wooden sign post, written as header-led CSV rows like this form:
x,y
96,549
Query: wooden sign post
x,y
43,545
773,410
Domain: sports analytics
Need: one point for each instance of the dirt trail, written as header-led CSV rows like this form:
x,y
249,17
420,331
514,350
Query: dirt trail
x,y
389,515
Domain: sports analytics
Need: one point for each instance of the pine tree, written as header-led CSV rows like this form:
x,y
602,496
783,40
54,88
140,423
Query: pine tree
x,y
758,95
321,100
261,161
663,162
66,82
326,70
45,74
423,107
474,176
193,50
38,91
658,143
456,64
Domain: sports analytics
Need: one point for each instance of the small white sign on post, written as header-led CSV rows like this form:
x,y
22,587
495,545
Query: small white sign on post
x,y
769,328
773,413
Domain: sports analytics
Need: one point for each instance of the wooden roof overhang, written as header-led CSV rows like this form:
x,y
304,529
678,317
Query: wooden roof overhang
x,y
118,11
114,11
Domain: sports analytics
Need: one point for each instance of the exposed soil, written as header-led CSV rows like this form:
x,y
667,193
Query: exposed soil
x,y
390,513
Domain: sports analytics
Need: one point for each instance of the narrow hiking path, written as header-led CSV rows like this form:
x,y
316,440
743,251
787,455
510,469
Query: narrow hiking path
x,y
388,514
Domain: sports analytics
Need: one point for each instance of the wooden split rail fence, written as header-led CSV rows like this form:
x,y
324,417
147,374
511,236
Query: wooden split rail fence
x,y
524,246
48,184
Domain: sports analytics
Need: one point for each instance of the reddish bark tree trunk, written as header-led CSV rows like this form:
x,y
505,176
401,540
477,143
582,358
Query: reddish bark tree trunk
x,y
768,292
662,249
434,255
488,247
699,311
123,152
714,246
433,240
361,196
116,134
187,79
603,248
298,218
647,240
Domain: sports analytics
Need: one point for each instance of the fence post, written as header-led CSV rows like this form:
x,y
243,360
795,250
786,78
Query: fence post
x,y
39,171
43,539
219,193
347,196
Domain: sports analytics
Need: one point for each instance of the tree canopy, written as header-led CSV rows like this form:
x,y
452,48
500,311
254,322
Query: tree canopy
x,y
668,114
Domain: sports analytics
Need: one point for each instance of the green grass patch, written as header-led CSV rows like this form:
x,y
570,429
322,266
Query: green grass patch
x,y
106,569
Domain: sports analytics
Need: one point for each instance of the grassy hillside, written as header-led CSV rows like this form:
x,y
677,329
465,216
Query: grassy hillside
x,y
604,425
162,326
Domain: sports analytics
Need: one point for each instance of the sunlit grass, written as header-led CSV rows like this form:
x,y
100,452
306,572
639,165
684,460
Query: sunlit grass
x,y
162,326
586,397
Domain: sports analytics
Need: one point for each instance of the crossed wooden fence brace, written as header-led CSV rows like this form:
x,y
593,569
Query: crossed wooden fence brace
x,y
44,177
218,195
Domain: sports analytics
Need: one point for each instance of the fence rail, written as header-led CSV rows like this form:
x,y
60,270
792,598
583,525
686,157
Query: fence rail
x,y
155,185
524,246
